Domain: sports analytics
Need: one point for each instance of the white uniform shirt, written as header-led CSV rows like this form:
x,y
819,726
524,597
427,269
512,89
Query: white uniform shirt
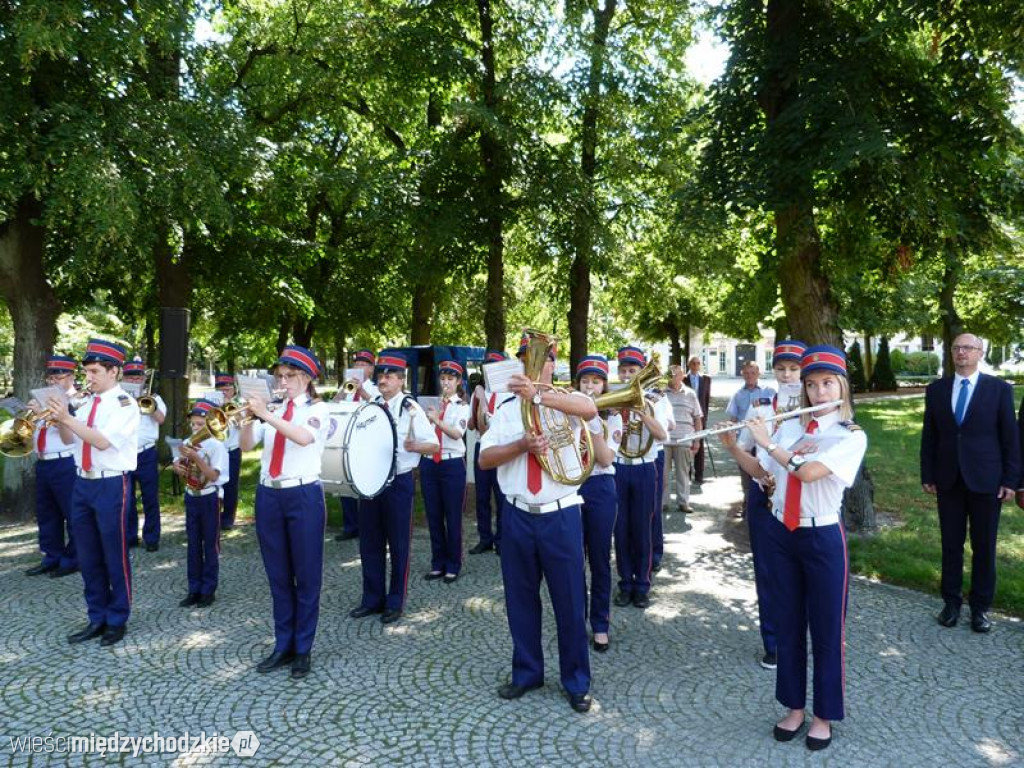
x,y
666,417
149,430
662,414
456,414
232,441
215,453
839,448
422,430
54,442
117,419
299,460
614,422
492,401
507,427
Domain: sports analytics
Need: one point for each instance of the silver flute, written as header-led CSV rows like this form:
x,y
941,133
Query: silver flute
x,y
777,417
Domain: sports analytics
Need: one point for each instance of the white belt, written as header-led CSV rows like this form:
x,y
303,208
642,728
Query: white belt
x,y
289,482
58,455
640,460
98,474
811,522
446,455
543,509
204,492
146,447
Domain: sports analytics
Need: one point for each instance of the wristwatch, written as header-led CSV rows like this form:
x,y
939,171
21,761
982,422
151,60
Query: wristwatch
x,y
771,447
537,398
795,462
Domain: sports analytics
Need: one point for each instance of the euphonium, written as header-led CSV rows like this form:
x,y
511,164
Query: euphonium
x,y
637,387
216,426
554,425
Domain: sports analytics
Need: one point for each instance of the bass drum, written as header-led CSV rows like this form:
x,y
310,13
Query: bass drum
x,y
361,450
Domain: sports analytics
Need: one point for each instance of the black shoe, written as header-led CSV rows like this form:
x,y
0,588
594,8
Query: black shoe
x,y
112,636
511,691
656,567
152,547
781,734
205,600
189,600
90,631
346,536
274,661
949,615
362,611
600,647
61,572
497,549
433,576
41,569
451,578
770,661
815,744
980,622
390,616
480,548
133,544
580,701
300,666
641,599
227,526
622,599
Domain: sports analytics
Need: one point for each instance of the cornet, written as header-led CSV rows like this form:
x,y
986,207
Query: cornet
x,y
238,415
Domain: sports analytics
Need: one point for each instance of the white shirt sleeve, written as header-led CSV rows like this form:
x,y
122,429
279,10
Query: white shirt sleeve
x,y
844,458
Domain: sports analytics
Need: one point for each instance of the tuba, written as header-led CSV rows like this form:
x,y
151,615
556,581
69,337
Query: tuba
x,y
637,389
567,461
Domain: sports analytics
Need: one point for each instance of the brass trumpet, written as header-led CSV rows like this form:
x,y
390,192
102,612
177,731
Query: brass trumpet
x,y
147,403
16,434
238,414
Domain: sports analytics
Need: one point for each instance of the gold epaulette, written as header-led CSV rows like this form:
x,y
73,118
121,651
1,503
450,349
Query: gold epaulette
x,y
852,426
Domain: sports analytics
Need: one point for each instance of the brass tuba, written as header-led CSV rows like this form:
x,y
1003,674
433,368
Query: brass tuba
x,y
637,387
566,468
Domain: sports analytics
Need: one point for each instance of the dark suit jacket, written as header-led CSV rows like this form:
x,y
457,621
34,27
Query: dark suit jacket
x,y
703,393
1020,430
984,450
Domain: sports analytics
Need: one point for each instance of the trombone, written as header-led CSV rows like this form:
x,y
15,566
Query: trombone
x,y
147,403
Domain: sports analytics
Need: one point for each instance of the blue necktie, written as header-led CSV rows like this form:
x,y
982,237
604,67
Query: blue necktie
x,y
961,402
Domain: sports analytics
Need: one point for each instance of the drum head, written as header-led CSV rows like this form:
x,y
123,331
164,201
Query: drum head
x,y
369,448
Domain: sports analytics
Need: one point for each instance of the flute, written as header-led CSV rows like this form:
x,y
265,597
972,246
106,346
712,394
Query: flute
x,y
742,424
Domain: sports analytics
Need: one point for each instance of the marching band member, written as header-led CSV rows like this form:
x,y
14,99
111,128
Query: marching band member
x,y
205,469
146,477
55,478
600,499
813,460
224,383
106,433
635,481
786,365
443,476
485,481
290,510
364,391
542,538
385,521
664,413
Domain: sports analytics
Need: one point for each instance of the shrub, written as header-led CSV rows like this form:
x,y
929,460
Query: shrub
x,y
922,363
882,378
898,360
855,368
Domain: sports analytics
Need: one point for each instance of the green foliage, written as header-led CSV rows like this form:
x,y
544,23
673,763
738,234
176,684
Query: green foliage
x,y
897,361
855,368
921,364
882,377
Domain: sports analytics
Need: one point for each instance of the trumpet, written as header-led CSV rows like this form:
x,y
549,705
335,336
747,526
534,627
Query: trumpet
x,y
238,414
782,416
147,403
16,434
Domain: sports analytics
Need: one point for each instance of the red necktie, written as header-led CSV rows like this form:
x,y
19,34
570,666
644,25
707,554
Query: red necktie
x,y
87,448
490,403
534,473
794,489
41,445
277,457
437,431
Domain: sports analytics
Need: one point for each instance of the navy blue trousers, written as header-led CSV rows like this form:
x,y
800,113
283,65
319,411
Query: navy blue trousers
x,y
350,515
599,505
146,478
633,549
444,499
55,483
290,526
486,482
957,506
759,517
548,547
202,527
658,524
230,505
99,517
385,526
809,571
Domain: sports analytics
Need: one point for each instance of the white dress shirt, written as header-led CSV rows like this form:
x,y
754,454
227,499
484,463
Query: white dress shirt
x,y
413,416
456,414
614,422
215,453
972,384
149,430
300,461
54,442
117,419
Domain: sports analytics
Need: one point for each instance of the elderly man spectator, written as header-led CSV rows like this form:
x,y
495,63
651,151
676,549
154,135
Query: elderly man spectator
x,y
701,384
688,417
749,396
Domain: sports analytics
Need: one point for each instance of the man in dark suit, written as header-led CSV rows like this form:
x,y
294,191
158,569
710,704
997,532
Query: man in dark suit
x,y
970,458
701,384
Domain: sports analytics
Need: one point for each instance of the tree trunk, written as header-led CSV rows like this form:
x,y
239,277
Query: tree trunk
x,y
859,503
492,156
587,213
424,299
676,347
302,332
811,310
952,323
869,358
686,345
34,308
282,334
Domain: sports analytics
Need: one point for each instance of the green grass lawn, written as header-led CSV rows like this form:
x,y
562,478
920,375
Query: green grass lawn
x,y
907,550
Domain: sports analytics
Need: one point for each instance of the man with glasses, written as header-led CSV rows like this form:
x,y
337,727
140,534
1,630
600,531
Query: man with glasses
x,y
55,479
970,459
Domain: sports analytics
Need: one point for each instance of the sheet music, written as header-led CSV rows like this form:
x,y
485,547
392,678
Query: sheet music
x,y
427,402
497,374
358,374
175,445
249,386
43,395
215,396
133,388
